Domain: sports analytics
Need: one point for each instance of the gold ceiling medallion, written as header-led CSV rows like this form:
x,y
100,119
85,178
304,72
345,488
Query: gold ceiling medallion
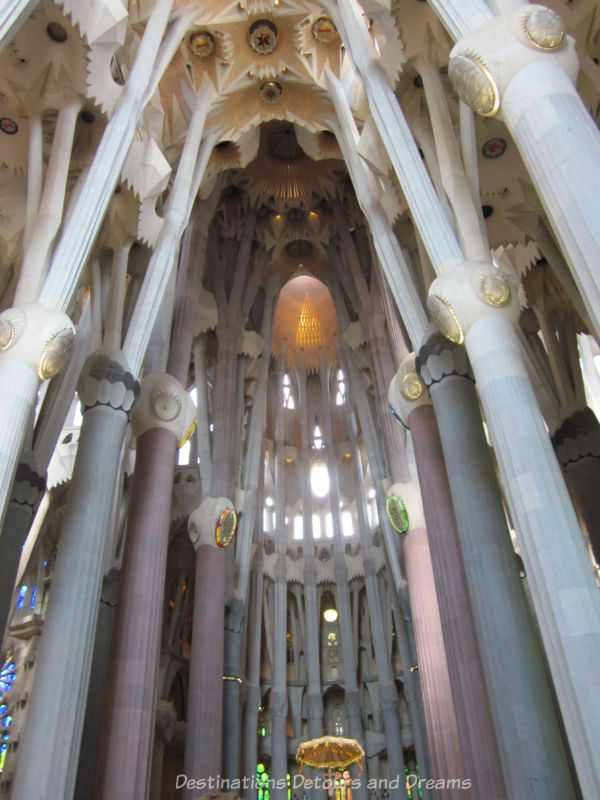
x,y
545,29
201,43
444,317
56,353
474,84
226,527
7,333
412,387
496,290
324,30
263,37
270,91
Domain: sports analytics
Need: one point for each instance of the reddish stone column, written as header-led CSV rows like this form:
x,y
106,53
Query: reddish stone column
x,y
161,419
442,728
480,750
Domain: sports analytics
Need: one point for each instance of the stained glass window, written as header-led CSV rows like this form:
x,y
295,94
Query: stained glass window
x,y
7,676
22,596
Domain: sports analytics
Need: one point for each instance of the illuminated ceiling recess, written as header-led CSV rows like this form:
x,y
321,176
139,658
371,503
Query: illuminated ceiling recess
x,y
305,318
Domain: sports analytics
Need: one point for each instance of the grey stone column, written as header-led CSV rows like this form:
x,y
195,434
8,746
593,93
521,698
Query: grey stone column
x,y
236,605
387,686
314,699
473,713
90,739
253,698
577,446
311,601
529,738
49,749
353,700
28,490
278,699
425,714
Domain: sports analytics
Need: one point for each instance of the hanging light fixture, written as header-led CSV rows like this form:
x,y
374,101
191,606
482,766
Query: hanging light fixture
x,y
330,613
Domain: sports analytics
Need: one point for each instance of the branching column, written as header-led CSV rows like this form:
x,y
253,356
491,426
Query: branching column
x,y
352,692
278,699
314,700
387,686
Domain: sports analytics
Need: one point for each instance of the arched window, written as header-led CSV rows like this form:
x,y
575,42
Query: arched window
x,y
347,524
317,438
288,398
319,479
21,598
316,520
298,527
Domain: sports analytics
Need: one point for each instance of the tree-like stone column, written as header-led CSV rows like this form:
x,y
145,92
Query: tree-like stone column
x,y
480,306
49,749
533,756
473,713
161,420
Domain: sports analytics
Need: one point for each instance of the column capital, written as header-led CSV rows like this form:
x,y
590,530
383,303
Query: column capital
x,y
407,390
483,62
203,521
441,358
105,380
577,437
29,484
164,403
468,293
37,336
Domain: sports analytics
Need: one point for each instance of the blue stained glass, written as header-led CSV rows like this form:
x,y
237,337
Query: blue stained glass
x,y
5,737
22,594
33,597
6,721
7,676
3,708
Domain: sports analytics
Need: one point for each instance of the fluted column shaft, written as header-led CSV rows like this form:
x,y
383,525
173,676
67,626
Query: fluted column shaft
x,y
476,729
352,696
49,749
529,737
387,686
12,15
278,699
131,691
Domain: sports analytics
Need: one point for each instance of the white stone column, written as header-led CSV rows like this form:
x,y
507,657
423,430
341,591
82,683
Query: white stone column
x,y
522,67
436,231
481,307
391,258
34,343
13,14
83,224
